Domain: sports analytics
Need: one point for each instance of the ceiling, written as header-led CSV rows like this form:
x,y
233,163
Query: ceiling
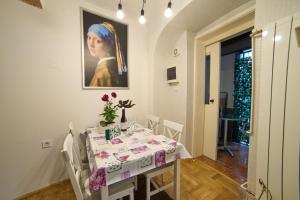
x,y
132,8
200,13
196,15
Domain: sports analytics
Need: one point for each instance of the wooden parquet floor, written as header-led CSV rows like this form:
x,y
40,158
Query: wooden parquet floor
x,y
199,181
234,167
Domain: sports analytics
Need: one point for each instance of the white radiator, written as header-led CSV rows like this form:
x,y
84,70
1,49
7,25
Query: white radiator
x,y
279,110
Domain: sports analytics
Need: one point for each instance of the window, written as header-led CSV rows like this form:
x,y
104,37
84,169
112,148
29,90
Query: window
x,y
207,79
246,53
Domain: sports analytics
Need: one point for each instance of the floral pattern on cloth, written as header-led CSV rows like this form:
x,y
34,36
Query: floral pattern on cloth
x,y
170,148
103,155
116,141
134,140
125,175
100,137
139,152
97,179
121,157
140,149
114,166
115,132
146,161
155,142
160,158
174,144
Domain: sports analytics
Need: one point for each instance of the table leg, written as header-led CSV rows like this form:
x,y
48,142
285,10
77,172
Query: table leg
x,y
225,132
226,148
177,179
104,193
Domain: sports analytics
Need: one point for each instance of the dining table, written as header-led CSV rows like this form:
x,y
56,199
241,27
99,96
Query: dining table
x,y
128,154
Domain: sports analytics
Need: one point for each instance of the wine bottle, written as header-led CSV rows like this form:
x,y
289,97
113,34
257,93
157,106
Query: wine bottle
x,y
123,121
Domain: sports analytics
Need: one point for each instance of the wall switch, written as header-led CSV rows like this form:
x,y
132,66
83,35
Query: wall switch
x,y
46,144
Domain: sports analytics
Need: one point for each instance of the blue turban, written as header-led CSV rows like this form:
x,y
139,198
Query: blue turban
x,y
104,33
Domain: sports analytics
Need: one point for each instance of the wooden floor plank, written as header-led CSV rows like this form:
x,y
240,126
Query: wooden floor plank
x,y
199,181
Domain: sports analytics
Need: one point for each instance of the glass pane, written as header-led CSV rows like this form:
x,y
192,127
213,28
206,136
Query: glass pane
x,y
207,79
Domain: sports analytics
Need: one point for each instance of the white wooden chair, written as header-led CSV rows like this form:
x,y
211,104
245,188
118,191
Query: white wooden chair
x,y
71,128
80,146
172,130
80,183
152,122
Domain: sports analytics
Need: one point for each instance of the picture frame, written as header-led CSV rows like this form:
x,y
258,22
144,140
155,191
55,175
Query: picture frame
x,y
104,52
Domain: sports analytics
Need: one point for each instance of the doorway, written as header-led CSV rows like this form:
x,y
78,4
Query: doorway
x,y
223,31
228,84
235,105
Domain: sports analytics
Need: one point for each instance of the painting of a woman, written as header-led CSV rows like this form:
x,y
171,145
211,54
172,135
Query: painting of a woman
x,y
104,63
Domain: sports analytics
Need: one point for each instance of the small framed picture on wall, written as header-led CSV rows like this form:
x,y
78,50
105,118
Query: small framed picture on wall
x,y
104,52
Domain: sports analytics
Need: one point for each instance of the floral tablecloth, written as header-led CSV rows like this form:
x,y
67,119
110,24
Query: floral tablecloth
x,y
128,154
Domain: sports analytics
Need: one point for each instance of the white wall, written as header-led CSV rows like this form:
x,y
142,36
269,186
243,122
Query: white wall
x,y
227,77
41,89
190,89
155,29
279,8
170,101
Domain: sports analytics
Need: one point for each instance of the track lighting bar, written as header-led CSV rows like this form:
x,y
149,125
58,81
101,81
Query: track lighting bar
x,y
142,19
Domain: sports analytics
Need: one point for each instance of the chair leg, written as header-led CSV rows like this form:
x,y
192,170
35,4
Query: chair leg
x,y
148,188
131,195
135,183
162,179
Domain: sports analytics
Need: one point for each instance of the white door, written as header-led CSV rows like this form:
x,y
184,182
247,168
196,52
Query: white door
x,y
212,87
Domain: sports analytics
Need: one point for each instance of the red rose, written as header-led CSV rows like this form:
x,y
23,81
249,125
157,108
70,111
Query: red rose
x,y
105,98
114,95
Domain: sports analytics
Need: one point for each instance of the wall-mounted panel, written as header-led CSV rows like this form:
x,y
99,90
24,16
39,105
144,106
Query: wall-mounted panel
x,y
264,103
292,117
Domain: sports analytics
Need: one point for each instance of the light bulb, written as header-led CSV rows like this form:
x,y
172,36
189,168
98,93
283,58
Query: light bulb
x,y
142,19
120,14
168,12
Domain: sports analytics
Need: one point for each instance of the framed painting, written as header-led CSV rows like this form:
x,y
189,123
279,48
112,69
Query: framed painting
x,y
104,52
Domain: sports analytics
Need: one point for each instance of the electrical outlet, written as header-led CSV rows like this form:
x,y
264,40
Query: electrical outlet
x,y
46,144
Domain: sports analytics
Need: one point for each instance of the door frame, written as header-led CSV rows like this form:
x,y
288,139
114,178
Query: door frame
x,y
227,27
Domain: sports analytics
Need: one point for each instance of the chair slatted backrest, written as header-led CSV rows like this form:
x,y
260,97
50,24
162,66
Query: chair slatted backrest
x,y
72,165
173,130
76,146
152,122
71,128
